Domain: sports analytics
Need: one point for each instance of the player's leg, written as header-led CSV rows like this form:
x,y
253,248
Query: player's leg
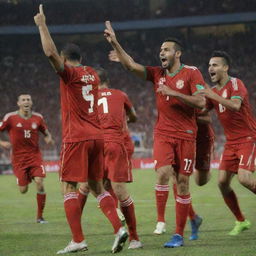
x,y
247,179
22,178
230,198
41,199
128,210
202,176
23,189
73,169
163,155
83,192
105,200
183,168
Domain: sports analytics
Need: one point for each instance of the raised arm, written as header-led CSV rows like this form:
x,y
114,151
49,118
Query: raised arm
x,y
48,45
123,57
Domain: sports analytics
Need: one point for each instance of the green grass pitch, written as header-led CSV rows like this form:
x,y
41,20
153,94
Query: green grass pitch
x,y
21,236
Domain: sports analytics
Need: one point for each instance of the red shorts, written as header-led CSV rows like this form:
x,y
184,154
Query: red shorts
x,y
25,175
176,152
204,149
82,160
116,166
239,156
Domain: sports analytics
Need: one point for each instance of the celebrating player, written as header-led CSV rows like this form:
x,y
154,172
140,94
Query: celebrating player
x,y
229,97
176,87
23,127
82,149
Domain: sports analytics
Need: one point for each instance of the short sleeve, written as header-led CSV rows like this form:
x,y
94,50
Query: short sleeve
x,y
67,73
238,89
5,123
42,126
197,82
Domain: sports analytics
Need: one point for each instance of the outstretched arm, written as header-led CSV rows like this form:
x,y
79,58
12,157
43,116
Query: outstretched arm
x,y
48,45
123,57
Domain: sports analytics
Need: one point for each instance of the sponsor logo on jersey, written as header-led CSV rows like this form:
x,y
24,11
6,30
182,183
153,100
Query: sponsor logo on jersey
x,y
224,94
34,125
180,84
19,125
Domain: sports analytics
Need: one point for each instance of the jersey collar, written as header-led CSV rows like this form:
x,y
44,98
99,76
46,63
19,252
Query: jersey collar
x,y
176,72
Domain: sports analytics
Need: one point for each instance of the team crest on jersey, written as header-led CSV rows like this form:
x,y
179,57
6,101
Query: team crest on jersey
x,y
19,125
34,125
224,94
180,84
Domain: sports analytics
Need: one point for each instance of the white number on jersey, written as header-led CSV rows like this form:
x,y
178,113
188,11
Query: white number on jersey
x,y
188,163
221,108
27,133
88,97
104,103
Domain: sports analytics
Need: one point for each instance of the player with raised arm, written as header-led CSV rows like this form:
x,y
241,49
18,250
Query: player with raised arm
x,y
229,97
82,148
23,127
176,86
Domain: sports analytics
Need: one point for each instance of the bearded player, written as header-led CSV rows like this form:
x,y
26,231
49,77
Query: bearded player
x,y
176,86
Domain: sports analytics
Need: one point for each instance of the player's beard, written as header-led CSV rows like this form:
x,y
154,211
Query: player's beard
x,y
170,64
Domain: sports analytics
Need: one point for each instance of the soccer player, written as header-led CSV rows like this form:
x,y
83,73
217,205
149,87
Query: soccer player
x,y
176,86
23,127
82,149
229,98
113,106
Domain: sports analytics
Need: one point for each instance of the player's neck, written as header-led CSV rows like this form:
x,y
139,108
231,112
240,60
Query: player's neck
x,y
223,81
176,66
24,114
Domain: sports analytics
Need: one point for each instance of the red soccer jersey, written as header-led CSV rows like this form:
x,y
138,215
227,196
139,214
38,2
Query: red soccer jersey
x,y
239,126
112,105
79,96
24,136
175,118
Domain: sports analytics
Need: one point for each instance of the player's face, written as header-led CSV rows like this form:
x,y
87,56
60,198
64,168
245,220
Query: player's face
x,y
167,54
25,103
217,69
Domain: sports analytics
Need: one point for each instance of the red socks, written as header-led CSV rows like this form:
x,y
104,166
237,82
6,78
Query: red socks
x,y
162,193
232,203
40,204
73,215
127,208
182,209
112,193
107,206
82,198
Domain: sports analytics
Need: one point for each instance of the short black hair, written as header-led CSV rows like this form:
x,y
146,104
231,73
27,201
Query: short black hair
x,y
224,55
72,52
103,75
178,44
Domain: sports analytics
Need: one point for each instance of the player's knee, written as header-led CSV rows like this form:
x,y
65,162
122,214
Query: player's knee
x,y
243,180
23,189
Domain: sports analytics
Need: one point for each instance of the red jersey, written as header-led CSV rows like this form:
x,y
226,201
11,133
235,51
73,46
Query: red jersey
x,y
24,136
79,96
112,106
239,126
175,118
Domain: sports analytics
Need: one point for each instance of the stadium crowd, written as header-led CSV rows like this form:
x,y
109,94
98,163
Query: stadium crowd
x,y
15,12
24,69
